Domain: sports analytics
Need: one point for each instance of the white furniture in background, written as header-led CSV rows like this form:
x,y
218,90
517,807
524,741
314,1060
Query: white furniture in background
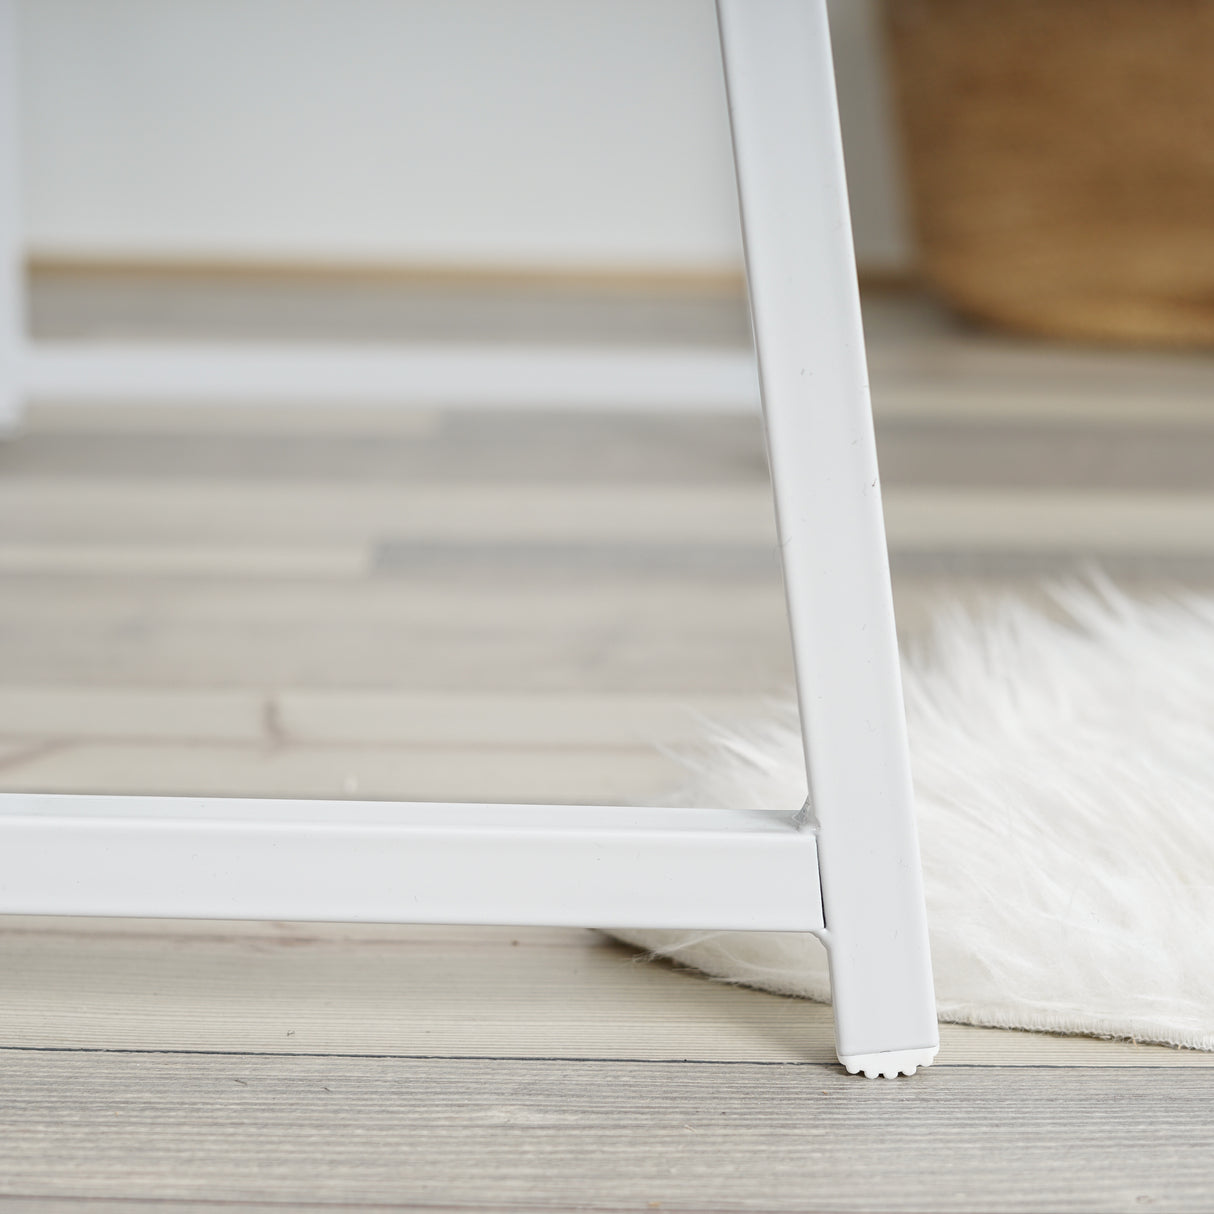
x,y
13,352
844,866
437,373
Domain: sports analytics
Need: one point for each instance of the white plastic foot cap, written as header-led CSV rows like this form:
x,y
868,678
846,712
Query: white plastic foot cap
x,y
890,1064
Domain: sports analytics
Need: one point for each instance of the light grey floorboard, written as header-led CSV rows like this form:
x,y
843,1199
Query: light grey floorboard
x,y
400,990
524,449
608,1135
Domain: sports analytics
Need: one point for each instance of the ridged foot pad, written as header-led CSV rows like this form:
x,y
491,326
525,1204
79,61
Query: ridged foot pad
x,y
890,1064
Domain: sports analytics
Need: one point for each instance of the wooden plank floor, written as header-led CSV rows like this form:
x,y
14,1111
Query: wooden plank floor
x,y
330,602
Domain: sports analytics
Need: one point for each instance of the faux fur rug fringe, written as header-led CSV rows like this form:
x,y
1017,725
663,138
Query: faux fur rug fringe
x,y
1064,773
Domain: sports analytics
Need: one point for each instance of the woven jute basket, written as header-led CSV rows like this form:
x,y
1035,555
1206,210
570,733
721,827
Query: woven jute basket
x,y
1060,155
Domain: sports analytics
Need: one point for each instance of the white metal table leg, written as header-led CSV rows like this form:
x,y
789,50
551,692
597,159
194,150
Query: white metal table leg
x,y
12,263
806,313
613,866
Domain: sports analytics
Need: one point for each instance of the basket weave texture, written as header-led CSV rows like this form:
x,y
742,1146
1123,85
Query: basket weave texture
x,y
1060,155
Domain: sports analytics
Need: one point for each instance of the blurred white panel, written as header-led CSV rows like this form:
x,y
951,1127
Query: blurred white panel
x,y
578,134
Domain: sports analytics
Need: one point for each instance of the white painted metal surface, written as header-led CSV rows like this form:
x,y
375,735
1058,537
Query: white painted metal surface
x,y
412,863
806,310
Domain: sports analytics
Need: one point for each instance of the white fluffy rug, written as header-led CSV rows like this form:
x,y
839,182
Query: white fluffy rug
x,y
1064,770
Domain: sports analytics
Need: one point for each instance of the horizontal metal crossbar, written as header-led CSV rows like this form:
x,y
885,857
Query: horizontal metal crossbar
x,y
407,862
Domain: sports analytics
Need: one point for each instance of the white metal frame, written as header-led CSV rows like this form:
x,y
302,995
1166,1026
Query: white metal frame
x,y
844,866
